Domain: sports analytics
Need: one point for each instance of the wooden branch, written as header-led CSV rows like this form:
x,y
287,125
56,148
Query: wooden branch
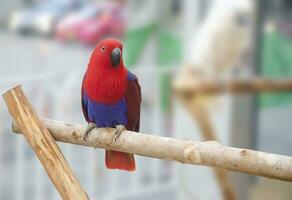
x,y
185,151
201,116
204,86
44,145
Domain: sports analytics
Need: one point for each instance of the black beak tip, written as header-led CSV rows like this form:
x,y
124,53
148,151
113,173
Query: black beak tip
x,y
116,57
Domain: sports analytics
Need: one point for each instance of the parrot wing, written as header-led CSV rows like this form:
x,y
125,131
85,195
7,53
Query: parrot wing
x,y
121,160
133,101
83,103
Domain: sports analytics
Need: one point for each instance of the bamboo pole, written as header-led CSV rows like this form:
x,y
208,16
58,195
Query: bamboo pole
x,y
44,145
209,153
207,86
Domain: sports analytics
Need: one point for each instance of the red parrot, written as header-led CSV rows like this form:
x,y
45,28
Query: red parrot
x,y
111,97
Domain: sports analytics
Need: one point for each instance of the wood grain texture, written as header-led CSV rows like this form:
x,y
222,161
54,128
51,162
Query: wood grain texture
x,y
209,153
44,145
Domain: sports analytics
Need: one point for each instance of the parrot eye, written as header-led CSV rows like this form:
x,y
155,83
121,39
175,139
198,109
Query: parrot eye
x,y
102,49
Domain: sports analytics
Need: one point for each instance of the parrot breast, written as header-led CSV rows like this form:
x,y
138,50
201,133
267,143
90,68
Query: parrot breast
x,y
107,86
105,115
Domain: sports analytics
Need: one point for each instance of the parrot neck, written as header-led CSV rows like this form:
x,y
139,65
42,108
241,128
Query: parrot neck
x,y
105,85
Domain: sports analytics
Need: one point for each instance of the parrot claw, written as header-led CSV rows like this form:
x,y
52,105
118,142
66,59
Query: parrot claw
x,y
89,128
120,129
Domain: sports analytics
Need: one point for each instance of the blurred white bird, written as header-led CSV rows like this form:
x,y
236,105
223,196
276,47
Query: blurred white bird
x,y
220,41
223,37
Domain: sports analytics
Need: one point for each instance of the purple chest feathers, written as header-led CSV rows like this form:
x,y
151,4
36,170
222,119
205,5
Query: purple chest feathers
x,y
104,115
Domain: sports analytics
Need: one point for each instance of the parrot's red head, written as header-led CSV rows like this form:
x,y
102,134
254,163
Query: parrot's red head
x,y
107,54
106,77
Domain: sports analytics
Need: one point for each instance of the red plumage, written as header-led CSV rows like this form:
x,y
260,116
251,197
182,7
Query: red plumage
x,y
102,82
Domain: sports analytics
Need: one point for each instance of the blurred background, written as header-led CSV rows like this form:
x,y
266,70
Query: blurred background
x,y
45,46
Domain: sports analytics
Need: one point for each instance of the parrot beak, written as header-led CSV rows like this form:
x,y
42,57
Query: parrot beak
x,y
116,57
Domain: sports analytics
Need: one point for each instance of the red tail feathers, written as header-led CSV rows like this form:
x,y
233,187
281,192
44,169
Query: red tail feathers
x,y
119,160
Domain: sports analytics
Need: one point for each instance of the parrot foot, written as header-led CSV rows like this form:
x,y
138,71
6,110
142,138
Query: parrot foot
x,y
120,128
89,128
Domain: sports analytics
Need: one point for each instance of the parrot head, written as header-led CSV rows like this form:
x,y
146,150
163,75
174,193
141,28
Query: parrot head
x,y
107,54
105,79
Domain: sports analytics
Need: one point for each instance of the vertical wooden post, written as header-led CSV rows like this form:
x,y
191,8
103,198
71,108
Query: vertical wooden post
x,y
203,120
44,145
200,114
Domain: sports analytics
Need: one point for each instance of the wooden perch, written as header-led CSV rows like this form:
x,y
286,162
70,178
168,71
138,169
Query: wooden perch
x,y
44,145
185,151
191,86
188,86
